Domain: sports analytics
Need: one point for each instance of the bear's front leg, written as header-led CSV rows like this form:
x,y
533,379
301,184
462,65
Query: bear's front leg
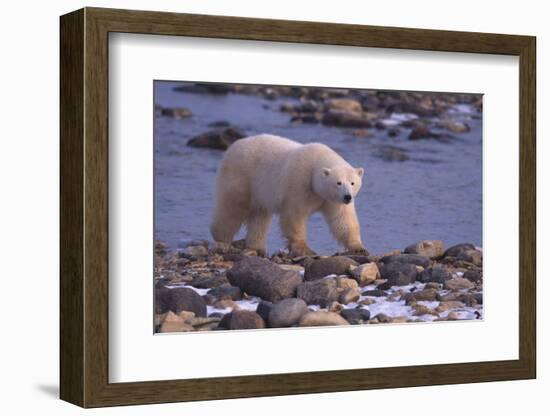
x,y
293,225
344,225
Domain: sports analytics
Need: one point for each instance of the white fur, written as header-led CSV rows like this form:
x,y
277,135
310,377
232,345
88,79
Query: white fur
x,y
263,175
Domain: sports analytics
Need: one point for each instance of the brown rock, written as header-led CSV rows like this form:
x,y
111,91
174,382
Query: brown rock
x,y
349,295
365,273
457,283
319,268
242,320
427,248
322,318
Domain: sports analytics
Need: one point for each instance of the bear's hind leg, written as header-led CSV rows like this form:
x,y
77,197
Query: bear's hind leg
x,y
229,214
257,225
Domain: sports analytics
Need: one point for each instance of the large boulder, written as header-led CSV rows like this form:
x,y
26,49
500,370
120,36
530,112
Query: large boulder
x,y
319,292
260,277
319,268
344,104
287,312
219,139
457,249
179,299
427,248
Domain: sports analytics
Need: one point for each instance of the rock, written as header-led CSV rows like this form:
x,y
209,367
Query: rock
x,y
432,285
471,256
360,133
179,299
420,310
406,258
359,258
226,292
319,292
455,126
427,248
393,132
263,309
473,276
174,323
177,113
219,139
260,277
448,305
437,274
421,132
205,88
344,104
195,251
319,268
209,282
366,273
377,293
242,320
349,295
392,153
338,118
322,318
356,316
457,283
345,283
455,250
398,274
287,312
219,123
420,295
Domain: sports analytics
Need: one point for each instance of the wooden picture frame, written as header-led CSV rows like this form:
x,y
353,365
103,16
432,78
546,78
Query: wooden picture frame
x,y
84,207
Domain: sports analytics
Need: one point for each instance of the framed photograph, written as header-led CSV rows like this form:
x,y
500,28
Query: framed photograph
x,y
256,207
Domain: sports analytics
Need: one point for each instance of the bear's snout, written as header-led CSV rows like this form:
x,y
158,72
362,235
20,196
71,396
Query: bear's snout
x,y
347,198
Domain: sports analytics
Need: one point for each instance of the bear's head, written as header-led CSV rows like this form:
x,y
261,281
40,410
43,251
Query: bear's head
x,y
338,184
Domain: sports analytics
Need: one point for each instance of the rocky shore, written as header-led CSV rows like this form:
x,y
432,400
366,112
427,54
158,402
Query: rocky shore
x,y
408,115
200,287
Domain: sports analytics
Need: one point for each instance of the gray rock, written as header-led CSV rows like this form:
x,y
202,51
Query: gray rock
x,y
322,318
399,274
392,153
427,248
209,282
319,268
319,292
219,139
407,258
356,316
287,312
455,250
179,299
437,274
260,277
471,256
242,320
226,292
263,309
473,276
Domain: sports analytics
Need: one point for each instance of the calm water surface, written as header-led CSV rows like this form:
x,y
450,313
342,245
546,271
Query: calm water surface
x,y
435,195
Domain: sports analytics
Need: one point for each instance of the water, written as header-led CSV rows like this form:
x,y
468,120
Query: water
x,y
435,195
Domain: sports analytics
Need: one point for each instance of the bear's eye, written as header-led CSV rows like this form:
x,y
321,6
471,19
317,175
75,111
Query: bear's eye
x,y
338,183
353,183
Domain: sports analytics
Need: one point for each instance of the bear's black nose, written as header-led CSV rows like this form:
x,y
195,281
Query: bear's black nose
x,y
347,199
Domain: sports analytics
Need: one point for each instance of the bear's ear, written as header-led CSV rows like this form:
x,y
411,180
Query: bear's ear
x,y
360,171
326,171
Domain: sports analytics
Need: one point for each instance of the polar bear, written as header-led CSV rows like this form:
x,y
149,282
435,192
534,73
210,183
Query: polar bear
x,y
264,175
